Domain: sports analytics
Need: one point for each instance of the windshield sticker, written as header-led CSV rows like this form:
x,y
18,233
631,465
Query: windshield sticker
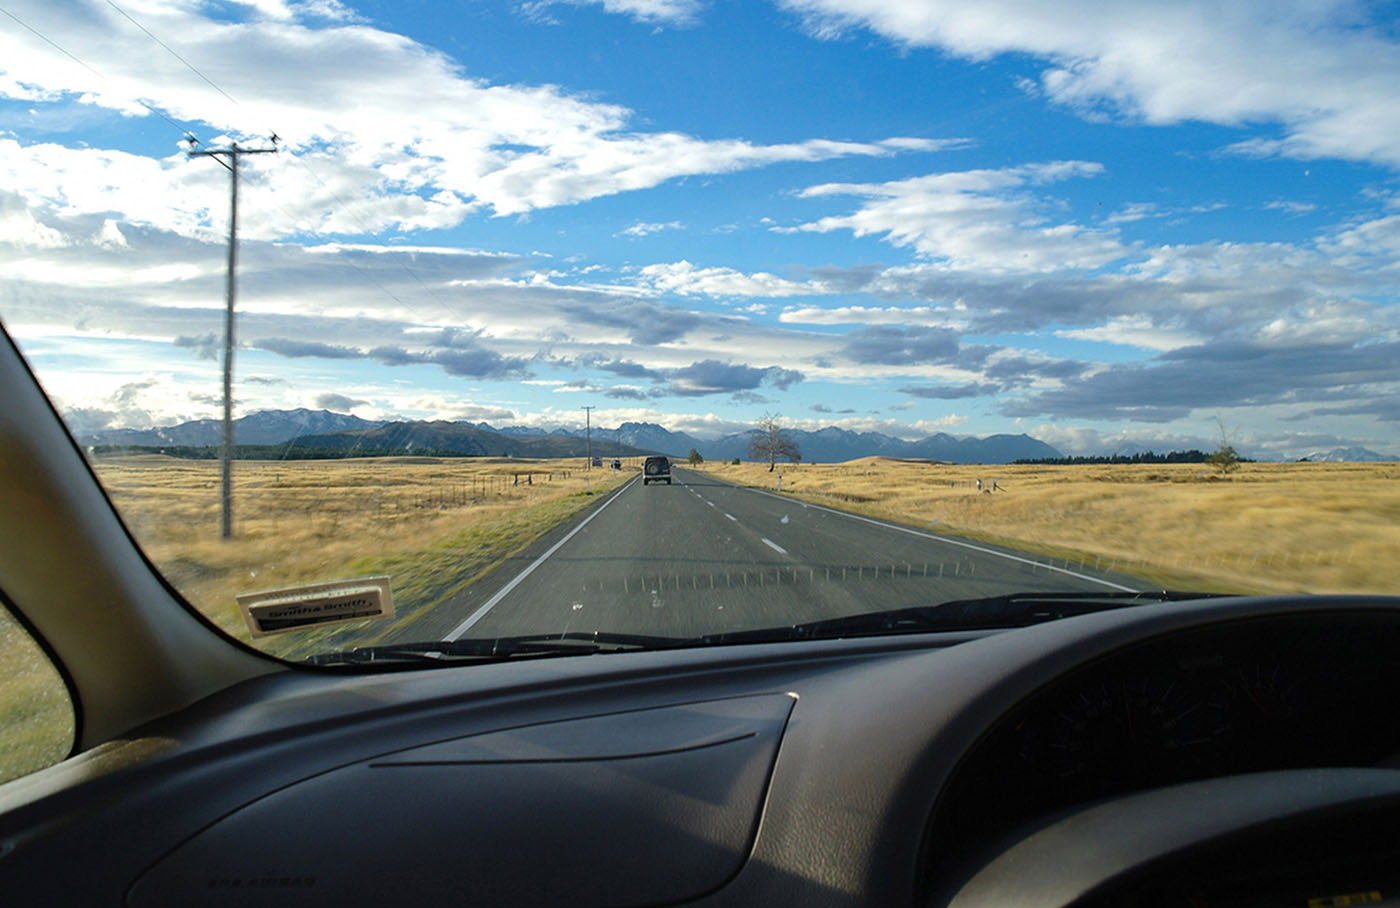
x,y
316,605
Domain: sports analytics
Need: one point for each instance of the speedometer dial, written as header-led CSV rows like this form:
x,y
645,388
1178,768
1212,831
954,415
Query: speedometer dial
x,y
1084,730
1266,690
1111,729
1173,714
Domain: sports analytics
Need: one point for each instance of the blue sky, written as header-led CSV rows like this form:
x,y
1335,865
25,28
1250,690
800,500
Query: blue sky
x,y
1100,226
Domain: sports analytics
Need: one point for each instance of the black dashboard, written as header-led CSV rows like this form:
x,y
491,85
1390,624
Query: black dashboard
x,y
1249,696
1255,695
1139,756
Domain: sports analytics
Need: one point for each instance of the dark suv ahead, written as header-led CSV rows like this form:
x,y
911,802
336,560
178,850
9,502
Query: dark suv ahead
x,y
656,469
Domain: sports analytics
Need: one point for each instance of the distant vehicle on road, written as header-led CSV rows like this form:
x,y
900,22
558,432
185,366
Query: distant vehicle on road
x,y
656,469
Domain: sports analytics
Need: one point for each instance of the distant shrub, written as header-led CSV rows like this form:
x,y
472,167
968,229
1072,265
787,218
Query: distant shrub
x,y
1226,458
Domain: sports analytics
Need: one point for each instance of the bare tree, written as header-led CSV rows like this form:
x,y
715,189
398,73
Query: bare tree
x,y
1226,458
770,441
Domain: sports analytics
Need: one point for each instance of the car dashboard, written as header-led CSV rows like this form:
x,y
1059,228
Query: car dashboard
x,y
1233,751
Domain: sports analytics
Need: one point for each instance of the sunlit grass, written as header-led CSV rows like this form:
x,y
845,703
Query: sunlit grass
x,y
36,715
434,525
1298,527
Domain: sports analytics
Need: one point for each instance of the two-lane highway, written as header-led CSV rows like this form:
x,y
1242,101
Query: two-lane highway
x,y
702,555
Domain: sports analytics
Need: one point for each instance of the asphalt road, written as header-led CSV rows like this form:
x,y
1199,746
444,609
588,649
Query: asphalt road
x,y
702,555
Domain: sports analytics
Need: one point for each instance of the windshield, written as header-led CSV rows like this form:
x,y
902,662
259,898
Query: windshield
x,y
643,322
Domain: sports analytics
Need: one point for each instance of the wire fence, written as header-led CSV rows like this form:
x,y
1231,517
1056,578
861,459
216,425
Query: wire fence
x,y
469,491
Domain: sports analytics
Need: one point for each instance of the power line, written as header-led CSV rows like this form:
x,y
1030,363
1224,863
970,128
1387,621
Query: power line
x,y
233,153
345,206
58,47
349,208
188,65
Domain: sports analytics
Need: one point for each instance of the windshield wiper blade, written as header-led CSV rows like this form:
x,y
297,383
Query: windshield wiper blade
x,y
988,613
495,649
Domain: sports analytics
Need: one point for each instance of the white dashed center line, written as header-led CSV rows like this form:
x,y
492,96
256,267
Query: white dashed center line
x,y
774,546
731,517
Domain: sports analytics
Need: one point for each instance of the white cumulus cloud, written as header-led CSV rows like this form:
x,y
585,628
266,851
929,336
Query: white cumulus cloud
x,y
1325,71
978,219
686,279
394,128
675,13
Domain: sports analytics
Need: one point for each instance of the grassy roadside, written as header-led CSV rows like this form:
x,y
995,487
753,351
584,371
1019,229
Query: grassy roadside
x,y
437,525
433,525
1267,528
36,716
425,578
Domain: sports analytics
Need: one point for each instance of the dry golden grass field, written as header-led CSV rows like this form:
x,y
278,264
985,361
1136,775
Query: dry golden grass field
x,y
438,525
36,715
432,524
1264,528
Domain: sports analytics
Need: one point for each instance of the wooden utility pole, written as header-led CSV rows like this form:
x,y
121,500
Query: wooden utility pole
x,y
588,435
232,153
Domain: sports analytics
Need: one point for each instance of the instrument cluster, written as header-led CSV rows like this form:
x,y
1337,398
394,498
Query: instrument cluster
x,y
1251,696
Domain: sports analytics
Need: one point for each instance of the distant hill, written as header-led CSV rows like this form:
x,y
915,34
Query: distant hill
x,y
833,445
1349,455
829,445
322,430
658,438
530,431
992,449
1194,455
641,435
456,438
265,427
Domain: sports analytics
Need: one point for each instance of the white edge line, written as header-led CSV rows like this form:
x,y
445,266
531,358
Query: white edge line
x,y
773,545
944,539
480,613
